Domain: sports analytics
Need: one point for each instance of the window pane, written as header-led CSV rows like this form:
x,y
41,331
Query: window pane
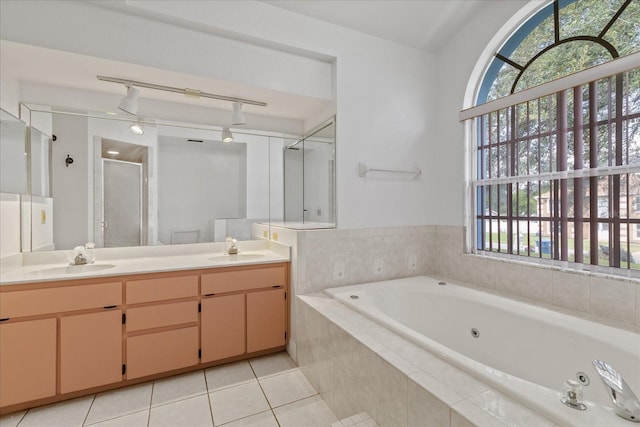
x,y
624,34
587,17
553,64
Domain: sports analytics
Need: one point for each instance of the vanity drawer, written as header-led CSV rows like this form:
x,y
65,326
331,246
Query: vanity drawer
x,y
161,352
239,280
157,316
56,300
149,290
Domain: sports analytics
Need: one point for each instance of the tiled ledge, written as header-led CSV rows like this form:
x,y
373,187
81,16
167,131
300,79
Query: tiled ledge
x,y
339,348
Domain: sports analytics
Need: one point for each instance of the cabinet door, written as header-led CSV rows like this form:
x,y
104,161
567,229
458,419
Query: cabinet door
x,y
90,350
266,314
27,361
222,324
150,354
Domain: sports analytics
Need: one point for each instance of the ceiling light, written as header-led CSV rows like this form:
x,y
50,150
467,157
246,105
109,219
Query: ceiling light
x,y
238,116
114,152
226,135
137,128
129,103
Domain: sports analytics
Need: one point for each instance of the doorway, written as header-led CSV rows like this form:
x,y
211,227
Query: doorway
x,y
121,202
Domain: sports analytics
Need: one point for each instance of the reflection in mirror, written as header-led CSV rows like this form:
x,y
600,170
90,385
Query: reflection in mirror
x,y
13,161
309,179
40,158
175,183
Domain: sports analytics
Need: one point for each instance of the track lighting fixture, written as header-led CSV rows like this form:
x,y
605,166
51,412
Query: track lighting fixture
x,y
227,136
238,116
129,103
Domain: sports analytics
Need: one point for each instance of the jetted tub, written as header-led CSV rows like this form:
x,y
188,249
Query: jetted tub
x,y
524,351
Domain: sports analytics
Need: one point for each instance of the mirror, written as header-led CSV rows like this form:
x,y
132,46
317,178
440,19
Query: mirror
x,y
13,161
309,179
173,184
97,181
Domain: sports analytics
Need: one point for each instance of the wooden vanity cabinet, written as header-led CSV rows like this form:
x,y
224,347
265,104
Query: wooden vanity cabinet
x,y
222,326
27,360
90,350
59,339
161,324
244,310
266,317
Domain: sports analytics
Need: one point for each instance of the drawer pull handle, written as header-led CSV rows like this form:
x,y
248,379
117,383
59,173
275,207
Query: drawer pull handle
x,y
276,286
110,306
4,319
209,295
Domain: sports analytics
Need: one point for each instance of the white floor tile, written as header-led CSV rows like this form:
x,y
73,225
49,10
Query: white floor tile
x,y
229,375
286,388
64,414
11,420
137,419
237,402
272,364
263,419
309,412
193,412
178,387
116,403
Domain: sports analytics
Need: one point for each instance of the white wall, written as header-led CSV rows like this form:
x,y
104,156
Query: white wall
x,y
455,64
70,189
385,92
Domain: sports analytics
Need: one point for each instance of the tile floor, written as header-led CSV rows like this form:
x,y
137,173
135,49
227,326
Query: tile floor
x,y
268,391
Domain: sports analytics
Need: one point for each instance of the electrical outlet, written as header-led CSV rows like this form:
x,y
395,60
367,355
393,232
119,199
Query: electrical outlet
x,y
274,235
43,217
338,271
412,262
265,234
378,266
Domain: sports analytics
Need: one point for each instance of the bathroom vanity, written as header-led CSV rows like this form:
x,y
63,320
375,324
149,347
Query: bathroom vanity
x,y
62,338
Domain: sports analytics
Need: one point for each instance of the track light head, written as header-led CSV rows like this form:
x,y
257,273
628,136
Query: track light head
x,y
137,128
238,116
226,135
129,103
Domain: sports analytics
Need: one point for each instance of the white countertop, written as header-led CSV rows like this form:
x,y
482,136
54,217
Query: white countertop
x,y
54,265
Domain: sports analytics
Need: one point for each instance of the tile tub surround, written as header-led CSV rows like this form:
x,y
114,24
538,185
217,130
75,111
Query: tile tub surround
x,y
614,301
238,394
319,256
358,366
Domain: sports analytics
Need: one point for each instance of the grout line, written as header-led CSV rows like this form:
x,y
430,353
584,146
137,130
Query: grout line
x,y
206,386
84,421
23,417
153,387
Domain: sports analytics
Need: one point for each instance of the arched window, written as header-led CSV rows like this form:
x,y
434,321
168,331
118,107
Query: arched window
x,y
557,165
561,38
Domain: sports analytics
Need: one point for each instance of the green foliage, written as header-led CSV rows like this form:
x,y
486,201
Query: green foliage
x,y
580,18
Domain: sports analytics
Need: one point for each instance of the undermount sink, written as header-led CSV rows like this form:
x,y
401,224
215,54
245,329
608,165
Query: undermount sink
x,y
237,257
74,269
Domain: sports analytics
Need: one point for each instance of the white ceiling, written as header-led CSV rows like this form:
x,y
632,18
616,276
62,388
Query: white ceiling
x,y
34,64
423,24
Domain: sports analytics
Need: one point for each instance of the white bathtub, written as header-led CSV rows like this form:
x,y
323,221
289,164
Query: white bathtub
x,y
524,351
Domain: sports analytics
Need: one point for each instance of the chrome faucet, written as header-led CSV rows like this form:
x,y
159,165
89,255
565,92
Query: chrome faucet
x,y
81,256
80,259
625,402
233,249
